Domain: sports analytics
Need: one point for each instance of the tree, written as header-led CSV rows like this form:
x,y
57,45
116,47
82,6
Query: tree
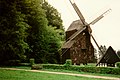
x,y
12,31
52,15
25,30
54,19
44,39
103,49
52,44
36,18
55,33
118,53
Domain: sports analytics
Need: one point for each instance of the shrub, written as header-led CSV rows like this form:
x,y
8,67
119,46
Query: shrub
x,y
88,69
118,64
68,63
32,61
115,71
52,66
12,62
103,70
24,64
37,67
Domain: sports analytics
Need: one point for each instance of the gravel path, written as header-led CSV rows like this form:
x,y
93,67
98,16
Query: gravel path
x,y
71,74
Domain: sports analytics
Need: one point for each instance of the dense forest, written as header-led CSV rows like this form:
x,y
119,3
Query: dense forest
x,y
30,29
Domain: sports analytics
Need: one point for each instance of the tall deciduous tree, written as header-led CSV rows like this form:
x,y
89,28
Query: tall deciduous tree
x,y
44,40
12,31
24,30
52,44
54,36
103,49
53,16
36,18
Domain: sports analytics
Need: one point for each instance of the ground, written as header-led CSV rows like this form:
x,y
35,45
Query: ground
x,y
63,73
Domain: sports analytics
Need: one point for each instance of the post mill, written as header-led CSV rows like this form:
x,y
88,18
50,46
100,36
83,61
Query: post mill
x,y
78,46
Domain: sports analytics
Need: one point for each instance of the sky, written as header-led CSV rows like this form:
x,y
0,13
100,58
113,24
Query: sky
x,y
106,31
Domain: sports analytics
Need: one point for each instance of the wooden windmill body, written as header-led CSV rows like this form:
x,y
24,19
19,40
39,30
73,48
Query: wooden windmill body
x,y
78,46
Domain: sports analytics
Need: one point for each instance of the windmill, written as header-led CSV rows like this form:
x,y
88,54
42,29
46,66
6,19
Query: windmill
x,y
85,31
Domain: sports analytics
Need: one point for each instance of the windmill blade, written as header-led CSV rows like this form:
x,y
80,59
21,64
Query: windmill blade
x,y
76,34
78,11
100,17
96,43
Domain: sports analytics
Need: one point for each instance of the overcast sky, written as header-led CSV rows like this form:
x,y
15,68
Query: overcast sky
x,y
106,31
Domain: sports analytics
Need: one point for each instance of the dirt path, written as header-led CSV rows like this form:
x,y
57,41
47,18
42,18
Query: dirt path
x,y
71,74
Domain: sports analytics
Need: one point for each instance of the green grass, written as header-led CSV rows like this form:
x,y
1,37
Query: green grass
x,y
76,72
67,71
24,75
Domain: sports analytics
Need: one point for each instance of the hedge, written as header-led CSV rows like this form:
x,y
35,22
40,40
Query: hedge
x,y
37,66
102,70
118,64
32,61
68,63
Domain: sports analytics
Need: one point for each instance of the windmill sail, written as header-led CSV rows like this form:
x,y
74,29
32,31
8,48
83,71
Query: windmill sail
x,y
100,17
76,33
78,11
83,21
96,43
85,26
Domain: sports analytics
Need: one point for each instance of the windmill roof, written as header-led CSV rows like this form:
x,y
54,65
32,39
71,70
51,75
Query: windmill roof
x,y
75,25
109,57
70,41
76,33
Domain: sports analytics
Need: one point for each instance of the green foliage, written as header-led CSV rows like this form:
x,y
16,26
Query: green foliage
x,y
53,16
28,31
36,18
44,41
52,45
12,63
24,64
103,49
118,64
32,61
12,32
52,66
54,36
68,63
37,67
102,70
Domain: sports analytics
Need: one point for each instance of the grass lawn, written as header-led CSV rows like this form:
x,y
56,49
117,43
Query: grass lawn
x,y
67,71
76,72
24,75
